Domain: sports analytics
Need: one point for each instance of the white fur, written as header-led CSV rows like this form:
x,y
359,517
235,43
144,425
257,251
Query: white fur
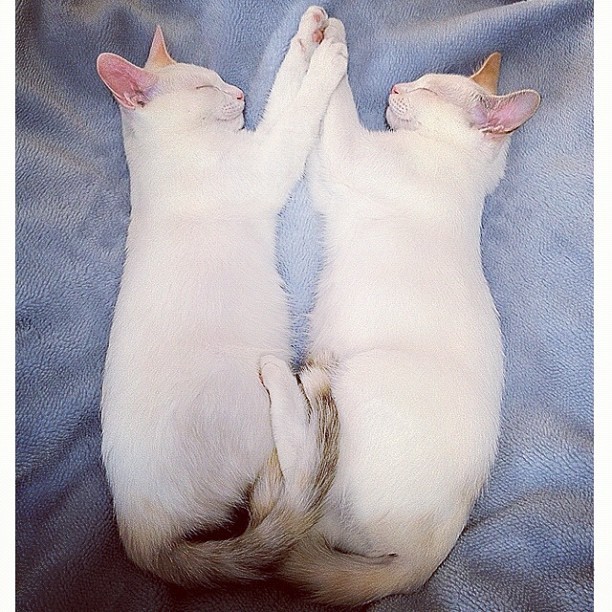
x,y
405,308
186,421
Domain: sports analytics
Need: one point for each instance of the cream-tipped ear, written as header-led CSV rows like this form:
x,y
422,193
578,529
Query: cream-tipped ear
x,y
158,55
488,75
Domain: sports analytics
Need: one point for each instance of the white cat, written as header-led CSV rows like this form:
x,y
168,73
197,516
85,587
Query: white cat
x,y
186,422
405,308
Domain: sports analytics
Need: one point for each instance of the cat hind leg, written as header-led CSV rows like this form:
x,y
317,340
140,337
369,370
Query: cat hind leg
x,y
294,438
305,428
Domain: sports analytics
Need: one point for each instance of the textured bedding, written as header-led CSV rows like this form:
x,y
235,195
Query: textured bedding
x,y
529,542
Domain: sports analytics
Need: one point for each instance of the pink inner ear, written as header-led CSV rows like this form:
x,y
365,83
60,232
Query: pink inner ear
x,y
504,114
130,84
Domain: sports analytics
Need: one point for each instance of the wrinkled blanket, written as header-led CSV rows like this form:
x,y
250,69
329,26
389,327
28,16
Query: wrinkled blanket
x,y
529,542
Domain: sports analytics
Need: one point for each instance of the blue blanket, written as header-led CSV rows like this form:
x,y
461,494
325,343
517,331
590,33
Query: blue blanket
x,y
529,542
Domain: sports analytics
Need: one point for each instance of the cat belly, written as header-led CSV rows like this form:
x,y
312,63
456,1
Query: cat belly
x,y
418,438
182,447
185,418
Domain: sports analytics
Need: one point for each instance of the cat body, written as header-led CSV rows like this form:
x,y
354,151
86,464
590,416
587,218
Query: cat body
x,y
188,434
404,306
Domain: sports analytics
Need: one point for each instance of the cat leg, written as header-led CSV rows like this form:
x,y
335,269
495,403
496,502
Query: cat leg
x,y
341,123
295,65
305,429
286,146
291,430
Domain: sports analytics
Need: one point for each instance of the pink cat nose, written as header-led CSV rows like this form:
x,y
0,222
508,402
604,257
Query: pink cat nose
x,y
395,89
232,90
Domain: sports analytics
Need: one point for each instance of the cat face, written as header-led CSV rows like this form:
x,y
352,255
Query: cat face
x,y
432,99
199,94
448,105
181,96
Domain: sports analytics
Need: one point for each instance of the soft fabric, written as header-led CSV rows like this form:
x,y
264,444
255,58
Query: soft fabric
x,y
529,542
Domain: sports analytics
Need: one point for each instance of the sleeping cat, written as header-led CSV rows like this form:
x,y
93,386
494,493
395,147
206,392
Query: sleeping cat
x,y
187,429
405,308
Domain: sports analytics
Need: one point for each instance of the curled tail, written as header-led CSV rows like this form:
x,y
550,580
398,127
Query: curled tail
x,y
336,578
284,502
328,575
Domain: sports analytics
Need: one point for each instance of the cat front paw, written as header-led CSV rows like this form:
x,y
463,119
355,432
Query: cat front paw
x,y
335,31
330,61
310,31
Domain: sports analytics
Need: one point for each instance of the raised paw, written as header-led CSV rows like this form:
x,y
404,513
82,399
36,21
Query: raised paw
x,y
329,63
335,31
310,31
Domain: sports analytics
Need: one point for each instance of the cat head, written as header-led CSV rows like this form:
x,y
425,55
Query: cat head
x,y
452,107
179,96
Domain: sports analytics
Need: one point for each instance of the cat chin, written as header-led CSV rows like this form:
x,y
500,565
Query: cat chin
x,y
237,124
232,118
232,124
397,123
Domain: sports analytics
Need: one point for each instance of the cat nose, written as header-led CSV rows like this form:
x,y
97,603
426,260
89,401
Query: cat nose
x,y
395,89
237,93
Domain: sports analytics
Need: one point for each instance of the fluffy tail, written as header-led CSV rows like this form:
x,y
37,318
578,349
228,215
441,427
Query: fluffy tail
x,y
284,503
328,575
336,578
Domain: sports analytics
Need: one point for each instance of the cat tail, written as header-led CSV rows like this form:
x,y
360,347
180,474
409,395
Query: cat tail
x,y
336,578
328,575
284,502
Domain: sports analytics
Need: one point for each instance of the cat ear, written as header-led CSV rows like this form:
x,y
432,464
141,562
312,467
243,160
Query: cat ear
x,y
488,75
130,84
158,55
504,114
